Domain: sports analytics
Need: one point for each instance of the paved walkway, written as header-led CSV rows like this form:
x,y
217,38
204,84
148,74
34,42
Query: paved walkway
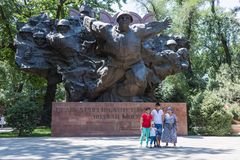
x,y
192,147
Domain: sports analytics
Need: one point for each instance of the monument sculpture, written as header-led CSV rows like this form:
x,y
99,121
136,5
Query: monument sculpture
x,y
106,62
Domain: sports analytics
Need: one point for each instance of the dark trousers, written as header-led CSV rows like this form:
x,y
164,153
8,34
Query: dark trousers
x,y
153,139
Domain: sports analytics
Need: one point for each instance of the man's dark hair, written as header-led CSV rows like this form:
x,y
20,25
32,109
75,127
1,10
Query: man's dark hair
x,y
147,108
157,104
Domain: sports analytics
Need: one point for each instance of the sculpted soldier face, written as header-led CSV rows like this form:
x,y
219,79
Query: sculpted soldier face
x,y
39,41
124,21
63,29
172,47
86,13
74,21
26,36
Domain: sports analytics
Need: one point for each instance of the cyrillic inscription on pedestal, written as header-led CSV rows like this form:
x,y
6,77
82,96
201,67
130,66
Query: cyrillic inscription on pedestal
x,y
106,118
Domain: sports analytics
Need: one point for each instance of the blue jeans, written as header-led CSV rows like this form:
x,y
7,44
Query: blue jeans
x,y
153,139
159,130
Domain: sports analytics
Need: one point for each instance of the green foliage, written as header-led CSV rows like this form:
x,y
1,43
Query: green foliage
x,y
214,79
38,132
211,103
106,4
159,8
23,116
205,30
222,88
195,110
60,93
228,78
219,123
208,115
210,86
235,110
173,89
16,85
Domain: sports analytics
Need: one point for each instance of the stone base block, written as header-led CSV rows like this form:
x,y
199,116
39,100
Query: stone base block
x,y
73,119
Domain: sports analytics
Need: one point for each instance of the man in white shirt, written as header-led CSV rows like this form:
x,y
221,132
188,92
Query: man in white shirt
x,y
157,114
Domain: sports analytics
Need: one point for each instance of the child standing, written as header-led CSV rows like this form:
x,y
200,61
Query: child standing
x,y
153,135
145,124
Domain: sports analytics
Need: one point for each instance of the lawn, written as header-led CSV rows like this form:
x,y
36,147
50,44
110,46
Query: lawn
x,y
38,132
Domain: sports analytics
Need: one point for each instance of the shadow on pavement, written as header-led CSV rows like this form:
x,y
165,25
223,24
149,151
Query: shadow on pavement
x,y
47,148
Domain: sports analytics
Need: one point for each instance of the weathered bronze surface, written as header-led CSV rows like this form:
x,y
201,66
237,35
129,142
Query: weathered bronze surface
x,y
97,61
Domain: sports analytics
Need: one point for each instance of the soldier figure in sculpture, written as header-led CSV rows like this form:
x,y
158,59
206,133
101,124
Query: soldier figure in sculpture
x,y
97,61
181,55
123,45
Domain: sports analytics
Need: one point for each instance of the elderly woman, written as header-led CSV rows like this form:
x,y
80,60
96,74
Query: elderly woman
x,y
169,134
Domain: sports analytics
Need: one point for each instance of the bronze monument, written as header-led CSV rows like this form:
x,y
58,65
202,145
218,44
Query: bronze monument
x,y
97,61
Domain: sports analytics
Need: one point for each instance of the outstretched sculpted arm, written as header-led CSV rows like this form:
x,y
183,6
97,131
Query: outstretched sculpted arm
x,y
98,27
152,28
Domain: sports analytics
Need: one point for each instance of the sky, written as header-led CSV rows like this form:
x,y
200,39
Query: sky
x,y
132,5
229,3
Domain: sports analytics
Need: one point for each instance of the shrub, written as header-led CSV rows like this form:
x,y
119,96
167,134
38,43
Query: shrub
x,y
209,117
235,110
219,123
173,89
23,117
195,110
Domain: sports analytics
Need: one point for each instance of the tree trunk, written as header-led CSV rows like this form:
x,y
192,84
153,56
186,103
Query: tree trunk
x,y
20,132
226,49
46,117
154,10
59,8
222,37
47,107
189,33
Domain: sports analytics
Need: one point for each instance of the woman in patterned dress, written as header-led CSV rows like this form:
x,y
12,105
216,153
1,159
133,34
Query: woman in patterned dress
x,y
169,134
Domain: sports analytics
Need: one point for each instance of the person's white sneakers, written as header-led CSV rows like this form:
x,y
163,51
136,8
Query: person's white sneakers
x,y
140,146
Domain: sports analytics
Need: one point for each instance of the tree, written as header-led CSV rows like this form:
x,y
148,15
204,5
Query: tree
x,y
12,11
173,89
23,117
213,34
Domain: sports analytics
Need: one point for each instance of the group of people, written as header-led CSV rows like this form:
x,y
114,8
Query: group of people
x,y
158,126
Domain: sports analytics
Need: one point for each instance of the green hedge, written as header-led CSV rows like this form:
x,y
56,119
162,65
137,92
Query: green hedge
x,y
23,117
208,115
235,110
